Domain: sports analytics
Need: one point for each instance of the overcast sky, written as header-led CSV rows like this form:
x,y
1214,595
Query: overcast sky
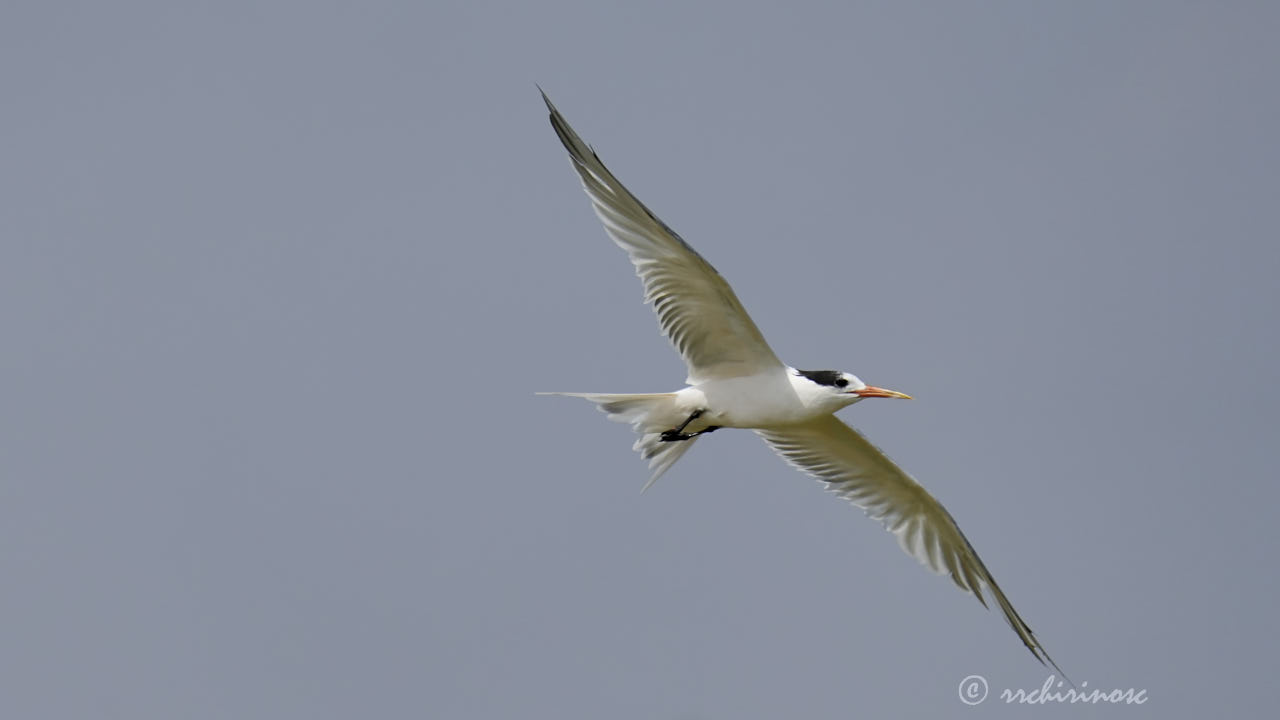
x,y
278,281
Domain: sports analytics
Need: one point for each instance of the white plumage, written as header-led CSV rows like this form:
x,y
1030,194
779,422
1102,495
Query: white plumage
x,y
736,380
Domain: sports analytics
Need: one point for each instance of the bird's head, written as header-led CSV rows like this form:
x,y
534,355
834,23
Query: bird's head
x,y
841,388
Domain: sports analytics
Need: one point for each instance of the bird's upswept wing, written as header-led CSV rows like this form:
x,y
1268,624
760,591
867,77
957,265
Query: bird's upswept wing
x,y
696,308
858,471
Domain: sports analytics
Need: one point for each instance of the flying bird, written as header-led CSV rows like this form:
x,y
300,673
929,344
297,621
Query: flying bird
x,y
736,381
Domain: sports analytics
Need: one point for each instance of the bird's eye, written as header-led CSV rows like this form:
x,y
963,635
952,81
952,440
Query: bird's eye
x,y
841,382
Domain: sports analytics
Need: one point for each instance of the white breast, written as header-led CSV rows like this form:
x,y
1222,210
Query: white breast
x,y
756,401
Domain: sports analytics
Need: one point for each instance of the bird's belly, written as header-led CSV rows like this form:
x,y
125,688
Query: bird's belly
x,y
751,402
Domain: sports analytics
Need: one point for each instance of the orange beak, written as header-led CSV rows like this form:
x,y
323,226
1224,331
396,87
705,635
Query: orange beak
x,y
873,391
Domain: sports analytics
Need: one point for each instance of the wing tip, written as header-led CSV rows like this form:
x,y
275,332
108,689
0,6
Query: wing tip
x,y
546,99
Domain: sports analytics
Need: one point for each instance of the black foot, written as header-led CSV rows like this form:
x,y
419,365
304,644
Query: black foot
x,y
677,436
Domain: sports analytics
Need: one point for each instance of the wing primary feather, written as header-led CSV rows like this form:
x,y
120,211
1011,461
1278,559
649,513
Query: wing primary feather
x,y
858,471
697,309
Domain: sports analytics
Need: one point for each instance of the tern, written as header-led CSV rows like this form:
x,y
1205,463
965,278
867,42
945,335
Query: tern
x,y
736,381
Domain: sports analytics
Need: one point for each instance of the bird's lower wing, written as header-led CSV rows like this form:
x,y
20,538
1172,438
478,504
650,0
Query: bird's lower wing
x,y
858,471
697,310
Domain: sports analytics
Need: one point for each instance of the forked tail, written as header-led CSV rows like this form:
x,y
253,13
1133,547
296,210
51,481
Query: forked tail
x,y
649,414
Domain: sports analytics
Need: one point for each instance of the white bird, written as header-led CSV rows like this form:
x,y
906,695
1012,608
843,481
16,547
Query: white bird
x,y
736,381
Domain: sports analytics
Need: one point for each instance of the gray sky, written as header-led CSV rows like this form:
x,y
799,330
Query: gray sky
x,y
278,281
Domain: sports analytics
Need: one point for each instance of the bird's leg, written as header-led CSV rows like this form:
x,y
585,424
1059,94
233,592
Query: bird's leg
x,y
679,434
